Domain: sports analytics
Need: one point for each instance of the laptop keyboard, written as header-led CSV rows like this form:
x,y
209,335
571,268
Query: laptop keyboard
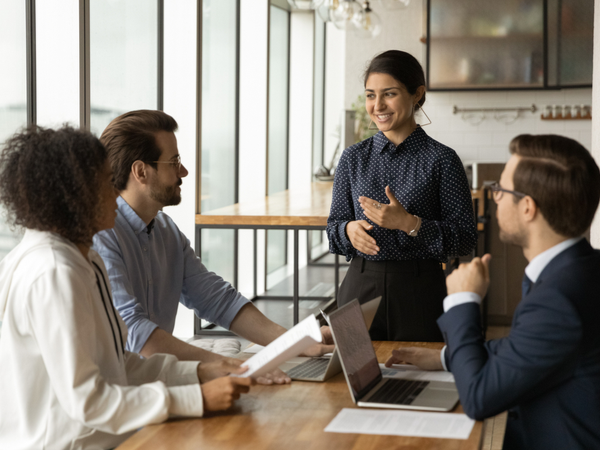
x,y
313,368
398,392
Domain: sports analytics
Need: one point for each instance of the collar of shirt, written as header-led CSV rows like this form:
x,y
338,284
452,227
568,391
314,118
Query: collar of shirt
x,y
537,264
381,142
134,221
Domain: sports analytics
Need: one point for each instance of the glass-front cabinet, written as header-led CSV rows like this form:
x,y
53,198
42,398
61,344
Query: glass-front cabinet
x,y
511,44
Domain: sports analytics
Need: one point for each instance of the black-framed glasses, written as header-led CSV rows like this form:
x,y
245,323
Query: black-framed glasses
x,y
175,163
498,191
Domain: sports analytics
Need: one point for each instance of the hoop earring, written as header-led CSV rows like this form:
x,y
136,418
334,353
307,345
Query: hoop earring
x,y
372,128
425,124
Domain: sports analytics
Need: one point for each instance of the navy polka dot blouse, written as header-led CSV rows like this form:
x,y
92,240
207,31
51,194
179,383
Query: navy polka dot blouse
x,y
426,177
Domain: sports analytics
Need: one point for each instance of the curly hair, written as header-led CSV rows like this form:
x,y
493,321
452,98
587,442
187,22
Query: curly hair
x,y
49,181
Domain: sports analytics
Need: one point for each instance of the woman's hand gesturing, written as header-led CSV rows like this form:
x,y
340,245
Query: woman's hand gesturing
x,y
392,216
361,240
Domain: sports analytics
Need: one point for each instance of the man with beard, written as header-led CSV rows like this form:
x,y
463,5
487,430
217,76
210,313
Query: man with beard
x,y
547,371
150,263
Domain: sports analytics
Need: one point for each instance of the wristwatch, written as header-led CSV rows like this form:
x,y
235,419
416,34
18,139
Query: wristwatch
x,y
415,230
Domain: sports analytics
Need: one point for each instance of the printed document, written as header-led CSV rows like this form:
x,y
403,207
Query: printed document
x,y
402,423
288,345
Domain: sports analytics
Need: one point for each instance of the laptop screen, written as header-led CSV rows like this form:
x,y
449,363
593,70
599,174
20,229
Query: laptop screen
x,y
355,348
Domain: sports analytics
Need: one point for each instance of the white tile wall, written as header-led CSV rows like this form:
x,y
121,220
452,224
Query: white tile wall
x,y
488,140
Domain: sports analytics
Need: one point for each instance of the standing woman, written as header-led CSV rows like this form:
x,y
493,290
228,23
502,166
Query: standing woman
x,y
401,206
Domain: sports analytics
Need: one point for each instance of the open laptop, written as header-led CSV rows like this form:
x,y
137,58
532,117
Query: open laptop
x,y
368,387
324,367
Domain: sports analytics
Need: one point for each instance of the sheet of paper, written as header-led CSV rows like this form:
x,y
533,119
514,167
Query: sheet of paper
x,y
409,372
402,423
288,345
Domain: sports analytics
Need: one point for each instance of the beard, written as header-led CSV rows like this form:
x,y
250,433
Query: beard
x,y
166,195
518,237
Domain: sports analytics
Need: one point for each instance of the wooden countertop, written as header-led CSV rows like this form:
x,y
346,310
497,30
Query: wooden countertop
x,y
302,207
288,417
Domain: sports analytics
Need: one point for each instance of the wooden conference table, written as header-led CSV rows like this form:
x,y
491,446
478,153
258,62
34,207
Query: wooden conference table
x,y
288,417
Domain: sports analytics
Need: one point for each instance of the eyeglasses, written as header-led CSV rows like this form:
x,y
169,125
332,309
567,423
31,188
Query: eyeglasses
x,y
498,192
175,163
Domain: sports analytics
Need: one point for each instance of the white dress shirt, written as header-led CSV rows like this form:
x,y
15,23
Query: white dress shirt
x,y
65,379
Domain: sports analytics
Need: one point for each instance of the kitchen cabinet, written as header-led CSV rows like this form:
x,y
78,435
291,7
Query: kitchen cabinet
x,y
512,44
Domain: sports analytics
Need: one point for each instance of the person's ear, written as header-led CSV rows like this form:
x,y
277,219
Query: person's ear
x,y
529,208
139,172
419,94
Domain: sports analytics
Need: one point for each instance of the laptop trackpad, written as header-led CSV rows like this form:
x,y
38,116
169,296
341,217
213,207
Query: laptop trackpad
x,y
434,398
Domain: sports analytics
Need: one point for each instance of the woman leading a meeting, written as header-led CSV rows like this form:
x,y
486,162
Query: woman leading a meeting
x,y
401,206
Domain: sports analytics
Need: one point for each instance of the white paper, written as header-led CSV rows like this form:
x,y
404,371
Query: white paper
x,y
288,345
408,372
402,423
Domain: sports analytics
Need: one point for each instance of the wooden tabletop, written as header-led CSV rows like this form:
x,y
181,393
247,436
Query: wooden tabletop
x,y
301,207
288,417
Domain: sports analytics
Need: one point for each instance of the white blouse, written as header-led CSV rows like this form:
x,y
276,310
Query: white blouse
x,y
65,379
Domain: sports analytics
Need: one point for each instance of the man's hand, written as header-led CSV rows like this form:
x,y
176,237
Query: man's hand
x,y
276,376
423,358
471,277
326,346
219,368
392,216
361,240
220,393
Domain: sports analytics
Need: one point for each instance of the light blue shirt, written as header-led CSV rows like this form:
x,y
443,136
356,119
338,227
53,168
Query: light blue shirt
x,y
151,272
533,271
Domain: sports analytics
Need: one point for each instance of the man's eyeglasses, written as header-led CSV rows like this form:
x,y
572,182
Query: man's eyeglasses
x,y
175,163
499,191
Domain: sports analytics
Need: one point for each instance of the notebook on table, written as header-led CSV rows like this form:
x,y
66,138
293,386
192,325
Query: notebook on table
x,y
325,367
368,387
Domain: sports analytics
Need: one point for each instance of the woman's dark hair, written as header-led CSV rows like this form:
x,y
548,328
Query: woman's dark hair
x,y
50,181
132,137
403,67
562,178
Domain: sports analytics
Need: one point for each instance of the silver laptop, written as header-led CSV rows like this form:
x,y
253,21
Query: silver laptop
x,y
368,387
325,367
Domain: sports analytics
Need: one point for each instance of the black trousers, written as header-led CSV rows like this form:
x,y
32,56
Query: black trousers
x,y
412,297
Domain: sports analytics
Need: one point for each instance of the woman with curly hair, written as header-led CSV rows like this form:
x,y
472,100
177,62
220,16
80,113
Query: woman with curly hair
x,y
67,380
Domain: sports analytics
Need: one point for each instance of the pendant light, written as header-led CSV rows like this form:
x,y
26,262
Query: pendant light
x,y
391,5
343,13
367,23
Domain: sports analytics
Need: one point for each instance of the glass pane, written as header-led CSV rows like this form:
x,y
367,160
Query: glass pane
x,y
217,252
319,94
475,44
276,250
57,62
219,102
278,99
13,101
278,125
576,42
123,58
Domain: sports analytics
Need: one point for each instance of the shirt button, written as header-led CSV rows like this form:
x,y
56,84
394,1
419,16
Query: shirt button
x,y
145,248
150,282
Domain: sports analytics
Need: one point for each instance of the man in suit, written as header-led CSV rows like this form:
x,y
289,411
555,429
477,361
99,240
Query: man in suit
x,y
547,371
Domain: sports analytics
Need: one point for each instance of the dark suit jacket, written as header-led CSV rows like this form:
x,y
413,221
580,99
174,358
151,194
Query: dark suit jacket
x,y
548,369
